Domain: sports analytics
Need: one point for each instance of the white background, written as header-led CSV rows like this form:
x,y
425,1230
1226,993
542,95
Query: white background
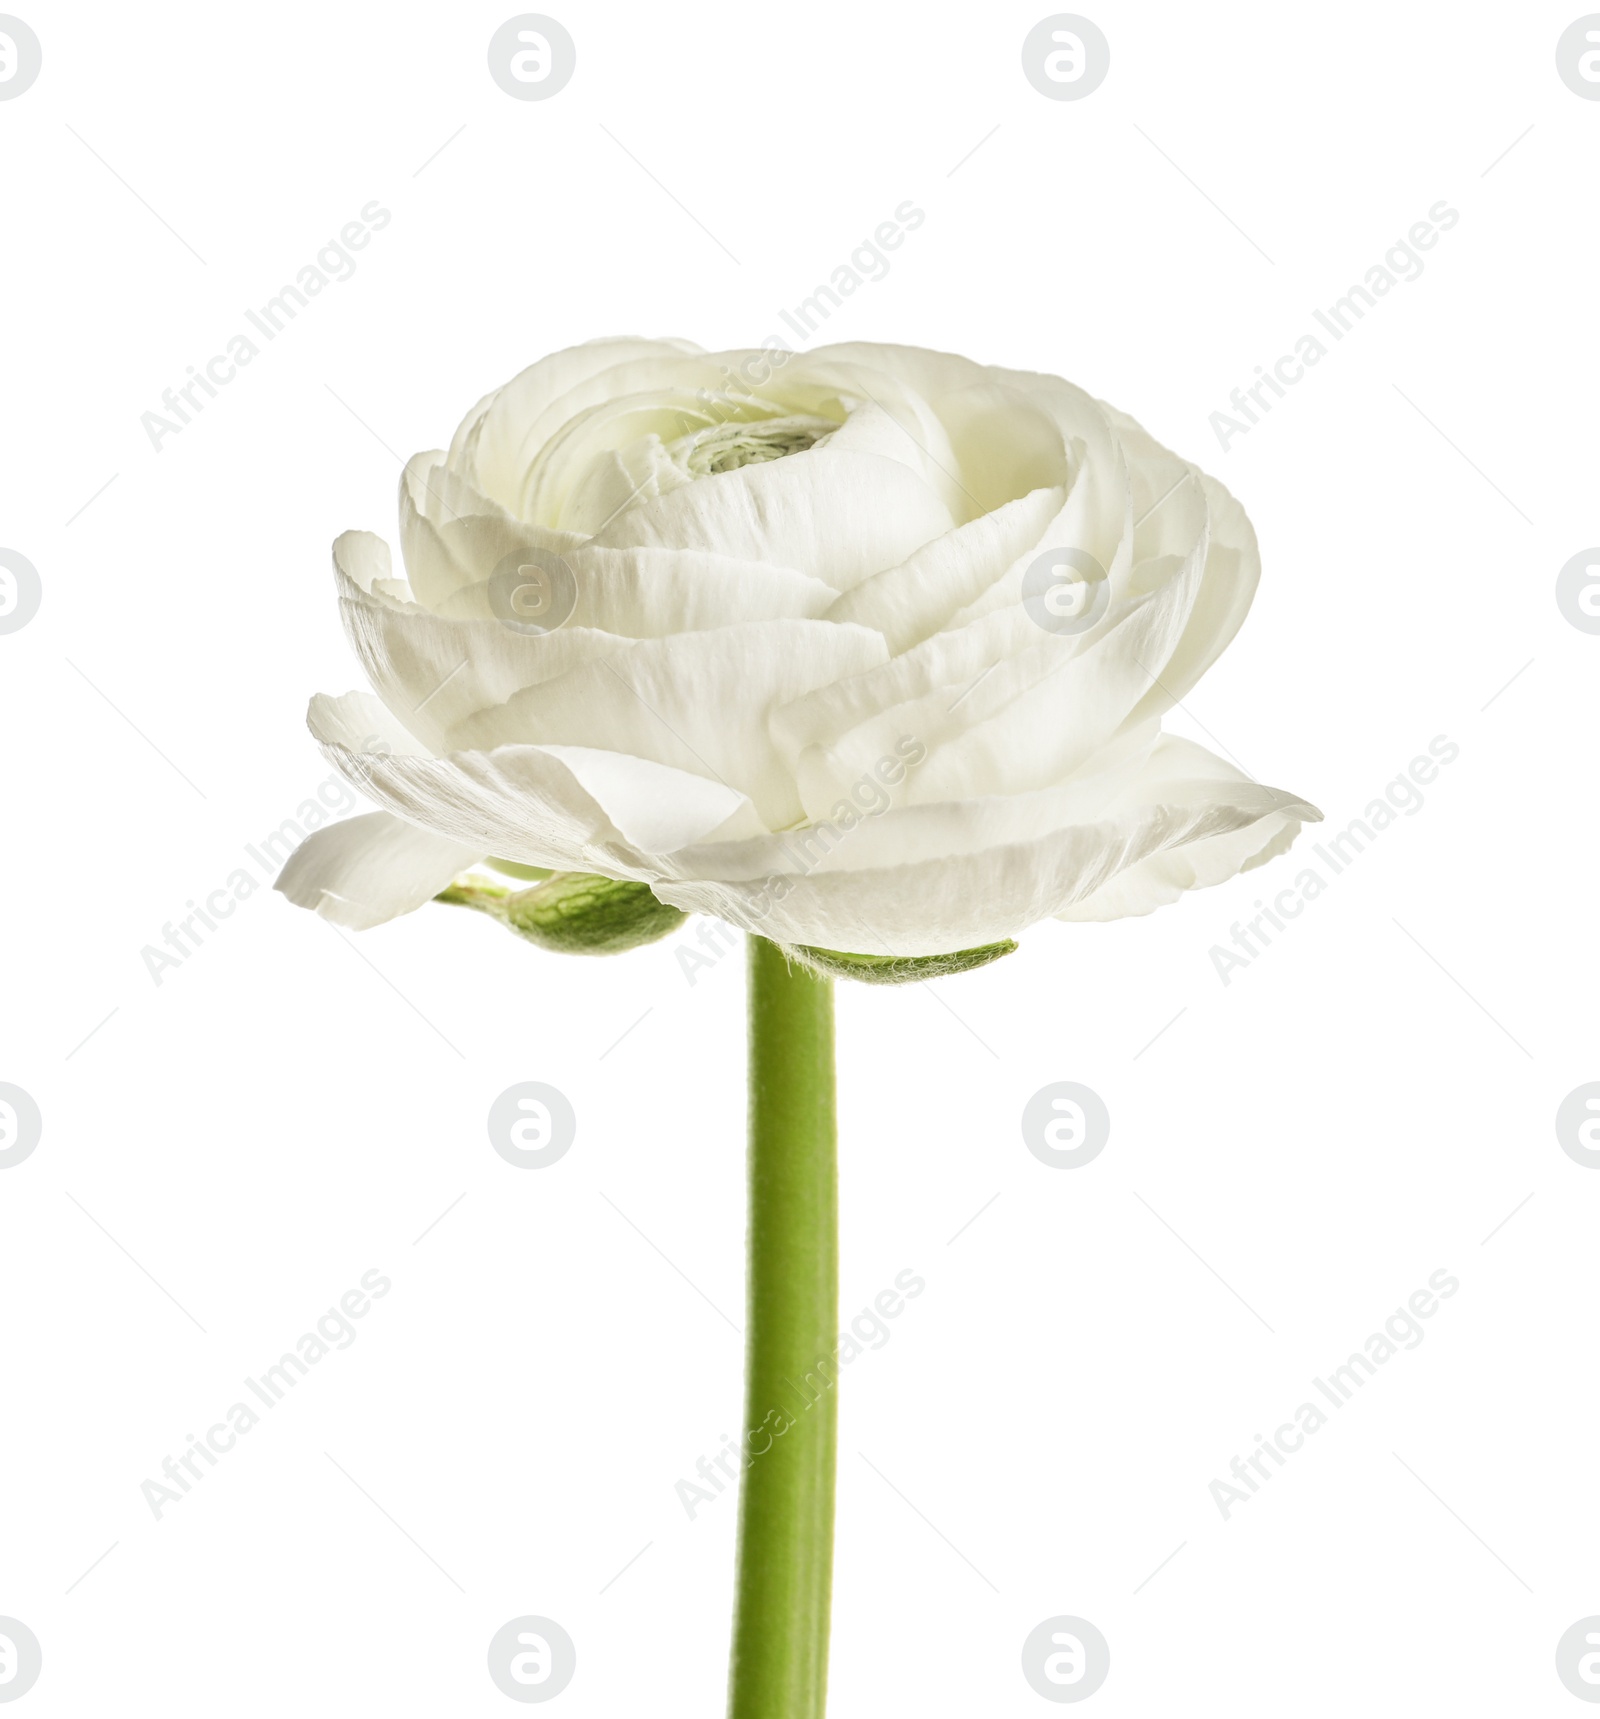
x,y
1359,1107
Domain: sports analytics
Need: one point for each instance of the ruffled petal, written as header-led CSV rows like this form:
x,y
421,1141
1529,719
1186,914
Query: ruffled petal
x,y
573,808
366,870
436,670
498,443
698,702
452,538
839,517
909,602
979,872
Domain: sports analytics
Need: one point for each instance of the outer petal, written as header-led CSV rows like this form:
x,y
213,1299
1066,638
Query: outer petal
x,y
654,593
981,875
1163,877
435,670
571,807
697,702
432,671
918,371
909,602
370,869
1228,586
1167,494
498,442
452,537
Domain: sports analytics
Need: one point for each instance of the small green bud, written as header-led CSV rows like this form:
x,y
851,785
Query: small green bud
x,y
896,969
572,913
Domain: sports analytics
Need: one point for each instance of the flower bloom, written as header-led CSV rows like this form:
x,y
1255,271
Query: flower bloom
x,y
866,649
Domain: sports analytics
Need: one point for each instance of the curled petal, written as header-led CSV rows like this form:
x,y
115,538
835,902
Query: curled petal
x,y
571,808
366,870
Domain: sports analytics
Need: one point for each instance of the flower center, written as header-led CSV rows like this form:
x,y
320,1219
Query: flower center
x,y
726,447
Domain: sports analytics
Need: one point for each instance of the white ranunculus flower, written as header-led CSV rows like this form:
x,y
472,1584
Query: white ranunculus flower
x,y
865,649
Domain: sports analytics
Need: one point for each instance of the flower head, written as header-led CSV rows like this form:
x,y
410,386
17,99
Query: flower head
x,y
863,650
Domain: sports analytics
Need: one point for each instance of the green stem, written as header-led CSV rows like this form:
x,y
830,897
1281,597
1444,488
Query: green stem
x,y
780,1630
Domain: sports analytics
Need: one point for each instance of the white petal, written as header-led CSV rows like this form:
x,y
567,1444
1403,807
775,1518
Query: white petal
x,y
437,670
1232,570
613,454
1163,877
698,702
980,873
358,722
362,560
917,370
698,380
839,517
1003,706
1167,498
452,537
494,450
1004,444
654,593
659,809
879,417
573,808
1098,515
909,602
433,671
370,869
1044,714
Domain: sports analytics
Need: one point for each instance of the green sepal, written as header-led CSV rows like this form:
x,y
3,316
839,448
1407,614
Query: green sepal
x,y
572,913
896,969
